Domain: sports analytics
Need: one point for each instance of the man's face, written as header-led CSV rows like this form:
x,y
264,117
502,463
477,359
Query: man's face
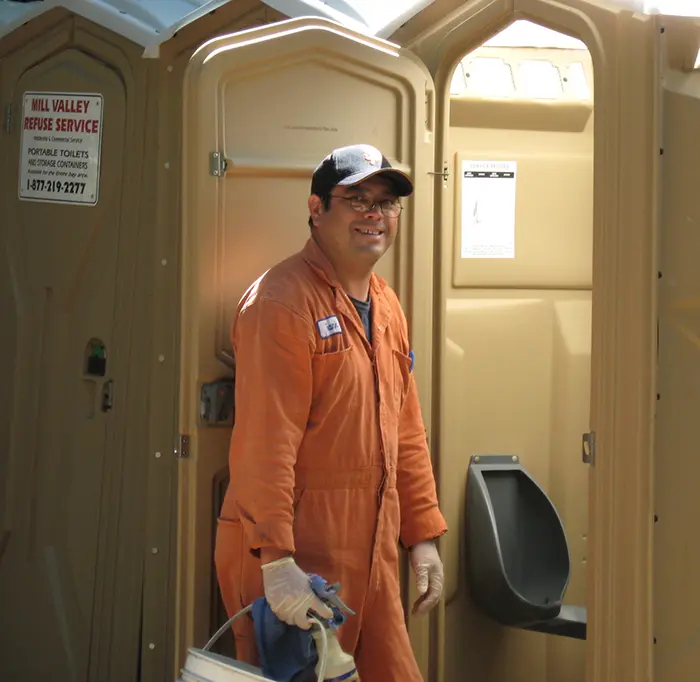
x,y
350,236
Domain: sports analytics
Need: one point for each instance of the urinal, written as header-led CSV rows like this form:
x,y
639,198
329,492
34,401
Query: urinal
x,y
518,564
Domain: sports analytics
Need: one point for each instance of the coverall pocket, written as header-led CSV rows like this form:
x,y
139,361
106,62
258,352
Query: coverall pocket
x,y
238,571
331,373
298,494
402,376
240,582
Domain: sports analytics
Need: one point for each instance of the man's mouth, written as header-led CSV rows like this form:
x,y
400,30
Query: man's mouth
x,y
369,232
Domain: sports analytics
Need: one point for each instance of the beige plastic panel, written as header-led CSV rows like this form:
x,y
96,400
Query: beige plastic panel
x,y
676,546
552,225
516,370
275,148
516,381
263,98
551,142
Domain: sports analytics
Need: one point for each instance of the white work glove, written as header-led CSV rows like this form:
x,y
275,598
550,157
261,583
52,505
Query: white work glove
x,y
430,577
289,594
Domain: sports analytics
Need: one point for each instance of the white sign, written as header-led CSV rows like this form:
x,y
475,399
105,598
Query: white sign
x,y
61,146
488,209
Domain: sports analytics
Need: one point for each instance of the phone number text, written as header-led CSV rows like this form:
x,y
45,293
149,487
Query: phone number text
x,y
59,186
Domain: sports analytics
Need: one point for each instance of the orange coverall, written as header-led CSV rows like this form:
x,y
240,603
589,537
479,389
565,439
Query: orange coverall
x,y
328,456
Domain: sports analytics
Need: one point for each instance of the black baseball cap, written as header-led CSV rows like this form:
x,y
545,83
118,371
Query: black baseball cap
x,y
348,166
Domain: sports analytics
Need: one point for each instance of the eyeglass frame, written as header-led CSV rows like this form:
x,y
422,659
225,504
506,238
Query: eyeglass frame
x,y
366,208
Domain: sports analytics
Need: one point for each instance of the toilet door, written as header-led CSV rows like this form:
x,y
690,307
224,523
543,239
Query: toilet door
x,y
73,498
262,108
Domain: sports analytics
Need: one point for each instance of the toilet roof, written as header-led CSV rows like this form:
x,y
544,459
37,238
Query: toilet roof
x,y
150,23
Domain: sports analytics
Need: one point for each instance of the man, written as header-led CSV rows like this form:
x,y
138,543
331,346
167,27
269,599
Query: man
x,y
329,462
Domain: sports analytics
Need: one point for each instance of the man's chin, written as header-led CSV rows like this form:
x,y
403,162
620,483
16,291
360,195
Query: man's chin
x,y
371,252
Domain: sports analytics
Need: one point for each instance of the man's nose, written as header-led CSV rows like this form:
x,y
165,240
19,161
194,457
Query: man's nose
x,y
374,212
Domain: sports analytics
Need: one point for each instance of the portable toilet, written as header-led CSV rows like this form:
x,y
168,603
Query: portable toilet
x,y
532,305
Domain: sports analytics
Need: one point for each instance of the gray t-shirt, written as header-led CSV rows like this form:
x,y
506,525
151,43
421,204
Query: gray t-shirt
x,y
364,309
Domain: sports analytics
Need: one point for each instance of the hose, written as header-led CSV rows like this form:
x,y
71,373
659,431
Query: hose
x,y
312,619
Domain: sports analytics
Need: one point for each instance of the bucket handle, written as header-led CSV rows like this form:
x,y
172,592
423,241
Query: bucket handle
x,y
312,619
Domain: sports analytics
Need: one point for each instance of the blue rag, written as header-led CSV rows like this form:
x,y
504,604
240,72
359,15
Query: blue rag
x,y
288,653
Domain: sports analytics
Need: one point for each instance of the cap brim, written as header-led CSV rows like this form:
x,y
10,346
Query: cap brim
x,y
402,183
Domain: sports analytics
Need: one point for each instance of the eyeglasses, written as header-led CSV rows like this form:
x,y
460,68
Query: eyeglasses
x,y
391,208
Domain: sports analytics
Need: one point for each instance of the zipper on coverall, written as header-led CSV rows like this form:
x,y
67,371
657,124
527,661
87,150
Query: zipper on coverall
x,y
382,452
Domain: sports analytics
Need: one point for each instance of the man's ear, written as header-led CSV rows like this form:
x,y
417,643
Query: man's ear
x,y
315,208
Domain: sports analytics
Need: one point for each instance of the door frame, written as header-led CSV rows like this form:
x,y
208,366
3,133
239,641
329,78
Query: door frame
x,y
623,353
201,205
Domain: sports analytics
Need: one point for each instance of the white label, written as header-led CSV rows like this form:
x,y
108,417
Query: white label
x,y
329,327
60,149
488,209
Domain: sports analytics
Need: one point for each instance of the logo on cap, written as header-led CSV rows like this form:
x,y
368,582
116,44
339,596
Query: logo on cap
x,y
372,156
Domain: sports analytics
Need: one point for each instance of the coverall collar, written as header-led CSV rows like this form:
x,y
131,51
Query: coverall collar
x,y
321,265
319,262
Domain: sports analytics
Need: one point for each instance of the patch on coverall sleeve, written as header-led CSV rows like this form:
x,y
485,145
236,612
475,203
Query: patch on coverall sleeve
x,y
329,326
412,355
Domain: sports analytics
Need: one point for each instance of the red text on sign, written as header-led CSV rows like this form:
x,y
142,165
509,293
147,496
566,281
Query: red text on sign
x,y
62,125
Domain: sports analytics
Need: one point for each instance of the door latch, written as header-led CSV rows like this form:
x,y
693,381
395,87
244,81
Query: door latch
x,y
588,448
216,402
444,173
107,395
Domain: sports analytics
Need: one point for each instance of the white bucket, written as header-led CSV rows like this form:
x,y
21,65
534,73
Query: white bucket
x,y
203,665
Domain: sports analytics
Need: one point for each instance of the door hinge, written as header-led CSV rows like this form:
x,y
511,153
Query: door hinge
x,y
588,448
445,172
217,164
8,118
182,451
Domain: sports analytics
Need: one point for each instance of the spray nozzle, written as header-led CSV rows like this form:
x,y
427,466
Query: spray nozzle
x,y
329,595
334,600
